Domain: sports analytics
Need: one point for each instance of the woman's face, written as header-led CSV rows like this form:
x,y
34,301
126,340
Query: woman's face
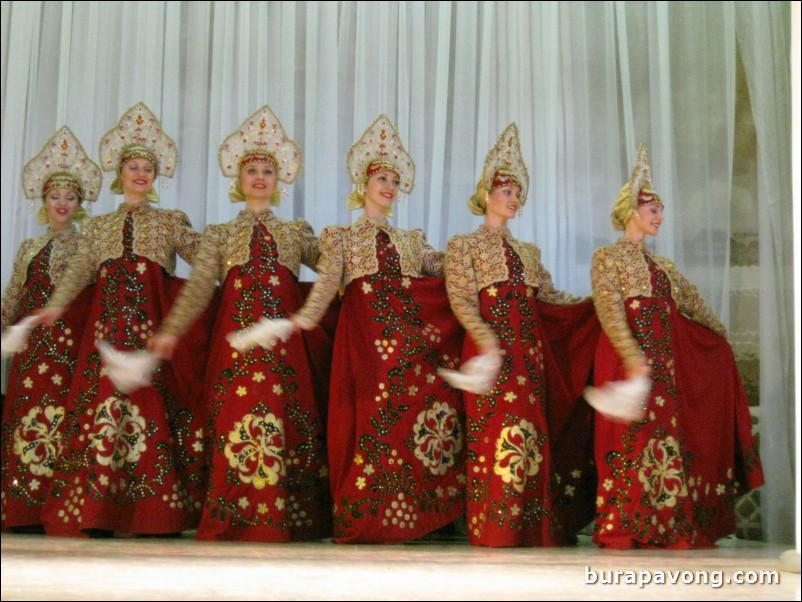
x,y
137,176
648,219
504,202
381,190
258,180
61,204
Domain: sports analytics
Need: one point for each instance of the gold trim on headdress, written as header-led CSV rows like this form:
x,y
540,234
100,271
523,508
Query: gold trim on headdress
x,y
504,164
381,143
63,179
137,151
636,193
252,156
62,163
641,191
138,134
261,137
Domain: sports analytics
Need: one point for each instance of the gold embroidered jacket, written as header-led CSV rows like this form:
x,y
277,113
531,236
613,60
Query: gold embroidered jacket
x,y
157,234
65,244
475,261
227,245
620,272
349,252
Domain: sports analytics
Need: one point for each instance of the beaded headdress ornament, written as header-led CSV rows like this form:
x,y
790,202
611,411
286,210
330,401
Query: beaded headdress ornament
x,y
641,191
261,137
380,148
504,164
138,134
62,163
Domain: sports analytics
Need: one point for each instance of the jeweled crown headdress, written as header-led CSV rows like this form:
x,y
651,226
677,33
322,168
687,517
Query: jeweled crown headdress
x,y
381,144
261,137
641,191
504,164
62,163
139,134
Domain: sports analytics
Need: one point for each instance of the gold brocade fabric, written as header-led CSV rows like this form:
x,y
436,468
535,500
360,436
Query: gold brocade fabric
x,y
475,261
619,272
349,252
65,243
227,245
158,235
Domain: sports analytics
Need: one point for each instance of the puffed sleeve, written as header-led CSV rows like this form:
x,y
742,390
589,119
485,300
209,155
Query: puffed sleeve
x,y
199,289
330,274
12,296
692,304
609,302
546,291
82,268
310,248
431,258
187,240
463,294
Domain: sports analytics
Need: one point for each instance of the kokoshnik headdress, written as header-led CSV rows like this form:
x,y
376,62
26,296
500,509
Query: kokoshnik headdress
x,y
138,134
62,163
261,137
504,164
378,148
641,191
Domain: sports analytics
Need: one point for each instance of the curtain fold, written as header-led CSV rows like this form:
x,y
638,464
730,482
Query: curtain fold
x,y
764,40
585,81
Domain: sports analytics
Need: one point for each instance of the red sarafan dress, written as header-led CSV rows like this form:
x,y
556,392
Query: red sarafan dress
x,y
131,463
671,479
394,426
39,378
269,475
529,461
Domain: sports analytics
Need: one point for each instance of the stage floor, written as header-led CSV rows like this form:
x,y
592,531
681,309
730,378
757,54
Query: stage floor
x,y
47,568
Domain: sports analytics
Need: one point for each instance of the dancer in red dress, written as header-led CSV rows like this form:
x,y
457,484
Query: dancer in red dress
x,y
62,176
269,475
394,433
529,462
131,463
671,479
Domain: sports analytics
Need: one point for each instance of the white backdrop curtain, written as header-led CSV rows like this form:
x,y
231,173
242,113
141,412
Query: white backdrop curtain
x,y
585,81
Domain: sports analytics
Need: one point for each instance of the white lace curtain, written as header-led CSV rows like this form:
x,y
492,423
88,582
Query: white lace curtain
x,y
585,81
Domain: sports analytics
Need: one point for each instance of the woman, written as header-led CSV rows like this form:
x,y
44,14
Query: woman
x,y
394,431
269,479
132,463
671,479
523,488
62,176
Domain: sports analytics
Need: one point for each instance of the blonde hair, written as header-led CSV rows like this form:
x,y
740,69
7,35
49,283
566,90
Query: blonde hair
x,y
623,208
478,201
356,200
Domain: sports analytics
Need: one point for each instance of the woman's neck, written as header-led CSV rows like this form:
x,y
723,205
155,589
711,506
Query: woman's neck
x,y
496,222
635,236
257,205
134,200
59,227
375,214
